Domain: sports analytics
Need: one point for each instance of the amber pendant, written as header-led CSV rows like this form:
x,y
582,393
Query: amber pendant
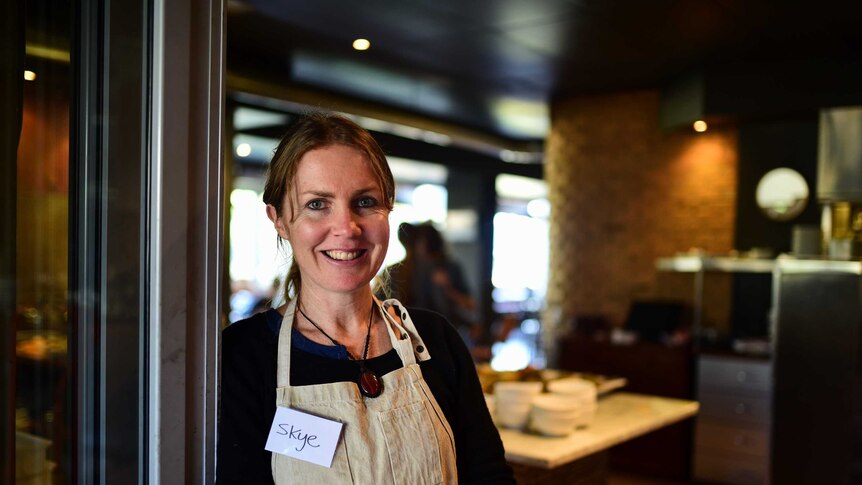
x,y
369,384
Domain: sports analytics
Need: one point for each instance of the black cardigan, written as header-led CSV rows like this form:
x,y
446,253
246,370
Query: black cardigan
x,y
248,382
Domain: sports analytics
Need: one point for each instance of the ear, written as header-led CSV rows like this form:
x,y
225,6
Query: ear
x,y
277,222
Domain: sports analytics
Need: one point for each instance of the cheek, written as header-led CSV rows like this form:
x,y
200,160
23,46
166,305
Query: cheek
x,y
380,228
304,233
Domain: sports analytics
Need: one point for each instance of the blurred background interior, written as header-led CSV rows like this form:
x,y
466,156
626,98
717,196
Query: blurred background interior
x,y
626,186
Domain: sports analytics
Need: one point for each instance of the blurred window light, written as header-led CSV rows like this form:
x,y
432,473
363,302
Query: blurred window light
x,y
430,202
539,208
462,225
510,355
246,118
520,188
531,326
413,172
521,253
254,254
519,270
515,116
29,76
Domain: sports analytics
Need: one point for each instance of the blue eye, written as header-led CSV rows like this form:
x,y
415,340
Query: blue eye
x,y
315,204
366,202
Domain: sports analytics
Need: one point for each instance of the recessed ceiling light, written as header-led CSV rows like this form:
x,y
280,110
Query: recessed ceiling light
x,y
243,149
699,126
361,44
29,75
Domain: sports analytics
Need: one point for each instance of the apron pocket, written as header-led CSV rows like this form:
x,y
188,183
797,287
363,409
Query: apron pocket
x,y
412,445
289,470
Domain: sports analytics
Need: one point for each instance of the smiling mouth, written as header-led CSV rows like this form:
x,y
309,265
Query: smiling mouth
x,y
344,255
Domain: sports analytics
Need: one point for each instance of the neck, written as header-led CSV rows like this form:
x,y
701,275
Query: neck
x,y
342,313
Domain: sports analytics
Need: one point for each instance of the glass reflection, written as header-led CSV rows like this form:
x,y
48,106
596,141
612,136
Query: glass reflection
x,y
40,323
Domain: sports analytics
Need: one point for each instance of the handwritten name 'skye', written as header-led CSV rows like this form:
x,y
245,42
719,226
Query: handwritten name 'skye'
x,y
287,429
303,436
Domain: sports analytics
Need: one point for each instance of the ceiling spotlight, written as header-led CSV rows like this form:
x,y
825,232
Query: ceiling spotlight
x,y
361,44
699,126
29,76
243,150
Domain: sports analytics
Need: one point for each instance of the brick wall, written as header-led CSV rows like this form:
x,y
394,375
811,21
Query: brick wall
x,y
624,193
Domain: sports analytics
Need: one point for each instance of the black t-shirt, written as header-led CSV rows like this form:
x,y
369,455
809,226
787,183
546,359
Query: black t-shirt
x,y
248,382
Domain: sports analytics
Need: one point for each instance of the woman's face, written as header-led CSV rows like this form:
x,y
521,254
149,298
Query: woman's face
x,y
339,227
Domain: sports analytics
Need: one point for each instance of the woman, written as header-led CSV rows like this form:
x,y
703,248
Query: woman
x,y
402,382
430,279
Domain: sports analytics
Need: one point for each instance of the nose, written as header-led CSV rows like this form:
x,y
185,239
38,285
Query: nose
x,y
346,223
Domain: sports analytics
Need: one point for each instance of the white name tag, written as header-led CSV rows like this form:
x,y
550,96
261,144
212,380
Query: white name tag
x,y
303,436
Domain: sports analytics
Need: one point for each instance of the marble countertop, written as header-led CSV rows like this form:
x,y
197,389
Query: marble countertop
x,y
620,417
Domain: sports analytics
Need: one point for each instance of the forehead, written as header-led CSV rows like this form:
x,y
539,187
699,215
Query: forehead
x,y
339,165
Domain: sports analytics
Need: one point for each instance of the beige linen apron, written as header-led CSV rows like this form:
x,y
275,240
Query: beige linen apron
x,y
400,437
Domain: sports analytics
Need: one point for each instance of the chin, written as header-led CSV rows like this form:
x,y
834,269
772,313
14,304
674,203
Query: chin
x,y
351,286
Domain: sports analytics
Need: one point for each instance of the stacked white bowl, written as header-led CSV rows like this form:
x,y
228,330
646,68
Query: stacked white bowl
x,y
512,402
581,393
554,414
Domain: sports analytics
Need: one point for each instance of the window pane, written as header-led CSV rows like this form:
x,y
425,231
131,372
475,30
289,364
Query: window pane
x,y
42,253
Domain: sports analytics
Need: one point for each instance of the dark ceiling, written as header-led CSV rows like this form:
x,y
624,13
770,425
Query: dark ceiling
x,y
494,65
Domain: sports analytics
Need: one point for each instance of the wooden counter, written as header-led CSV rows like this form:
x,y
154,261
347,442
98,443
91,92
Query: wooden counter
x,y
620,417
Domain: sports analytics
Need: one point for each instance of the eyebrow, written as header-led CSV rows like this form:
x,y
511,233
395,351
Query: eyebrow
x,y
328,195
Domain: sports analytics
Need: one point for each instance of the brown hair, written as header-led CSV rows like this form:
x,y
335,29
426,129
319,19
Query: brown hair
x,y
310,132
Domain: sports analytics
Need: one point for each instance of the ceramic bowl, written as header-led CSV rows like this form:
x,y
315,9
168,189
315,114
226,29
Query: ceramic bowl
x,y
574,387
512,401
512,415
554,415
516,391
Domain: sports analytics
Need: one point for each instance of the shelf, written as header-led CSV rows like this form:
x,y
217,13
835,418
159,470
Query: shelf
x,y
788,264
785,263
694,264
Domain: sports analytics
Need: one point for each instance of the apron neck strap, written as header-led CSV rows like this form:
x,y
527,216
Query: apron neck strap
x,y
403,336
284,339
399,337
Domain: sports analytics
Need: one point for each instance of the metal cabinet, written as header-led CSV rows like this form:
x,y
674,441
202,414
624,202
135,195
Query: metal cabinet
x,y
817,416
798,417
732,430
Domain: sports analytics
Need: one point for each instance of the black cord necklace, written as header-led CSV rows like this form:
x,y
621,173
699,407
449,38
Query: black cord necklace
x,y
370,384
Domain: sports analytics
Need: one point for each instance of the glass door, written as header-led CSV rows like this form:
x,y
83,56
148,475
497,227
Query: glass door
x,y
73,259
110,177
35,257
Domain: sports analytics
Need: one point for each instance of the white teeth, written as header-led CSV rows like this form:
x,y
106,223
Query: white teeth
x,y
343,255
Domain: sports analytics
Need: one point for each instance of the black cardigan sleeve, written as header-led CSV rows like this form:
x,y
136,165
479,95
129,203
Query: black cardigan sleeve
x,y
451,375
247,403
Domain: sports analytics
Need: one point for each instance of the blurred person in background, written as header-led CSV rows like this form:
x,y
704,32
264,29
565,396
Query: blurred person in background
x,y
429,278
